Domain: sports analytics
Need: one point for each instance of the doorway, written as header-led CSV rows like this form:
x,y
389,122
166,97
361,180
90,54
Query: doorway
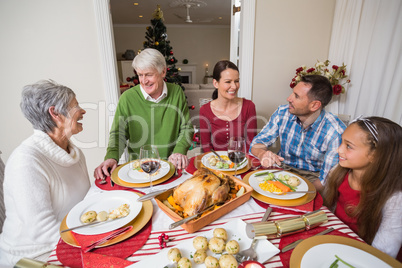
x,y
109,59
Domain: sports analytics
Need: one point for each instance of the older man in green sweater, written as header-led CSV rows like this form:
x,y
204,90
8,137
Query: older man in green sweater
x,y
153,112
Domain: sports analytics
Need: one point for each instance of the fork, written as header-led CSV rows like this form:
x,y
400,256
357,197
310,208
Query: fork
x,y
103,180
250,254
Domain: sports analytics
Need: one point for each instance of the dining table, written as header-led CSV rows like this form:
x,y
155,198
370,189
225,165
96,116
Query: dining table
x,y
138,250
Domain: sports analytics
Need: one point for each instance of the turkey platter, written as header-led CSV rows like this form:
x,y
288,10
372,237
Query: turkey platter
x,y
205,188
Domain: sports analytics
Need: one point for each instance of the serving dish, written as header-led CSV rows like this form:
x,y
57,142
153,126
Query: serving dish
x,y
138,223
115,176
285,203
320,251
195,225
235,230
254,183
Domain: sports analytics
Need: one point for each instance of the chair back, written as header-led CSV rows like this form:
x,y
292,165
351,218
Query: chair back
x,y
2,208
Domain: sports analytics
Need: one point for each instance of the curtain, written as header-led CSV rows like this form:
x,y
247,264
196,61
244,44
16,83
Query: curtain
x,y
367,37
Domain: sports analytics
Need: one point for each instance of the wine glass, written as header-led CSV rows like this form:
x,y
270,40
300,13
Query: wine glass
x,y
149,160
237,150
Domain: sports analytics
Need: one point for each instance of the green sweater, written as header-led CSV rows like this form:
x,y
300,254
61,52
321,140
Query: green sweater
x,y
165,124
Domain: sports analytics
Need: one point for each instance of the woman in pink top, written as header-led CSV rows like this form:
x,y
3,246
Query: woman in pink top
x,y
226,115
365,189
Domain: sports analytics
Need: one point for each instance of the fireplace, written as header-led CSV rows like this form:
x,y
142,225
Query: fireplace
x,y
188,73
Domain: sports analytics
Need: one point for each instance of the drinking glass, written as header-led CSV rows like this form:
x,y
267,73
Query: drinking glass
x,y
149,160
237,150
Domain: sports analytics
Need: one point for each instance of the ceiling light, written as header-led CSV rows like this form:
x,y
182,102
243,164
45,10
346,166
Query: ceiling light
x,y
140,16
135,4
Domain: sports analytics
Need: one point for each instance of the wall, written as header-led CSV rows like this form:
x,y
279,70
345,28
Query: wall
x,y
199,44
288,34
50,39
57,39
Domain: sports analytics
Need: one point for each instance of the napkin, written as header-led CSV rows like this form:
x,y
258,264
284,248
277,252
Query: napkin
x,y
313,205
94,260
286,240
191,166
71,256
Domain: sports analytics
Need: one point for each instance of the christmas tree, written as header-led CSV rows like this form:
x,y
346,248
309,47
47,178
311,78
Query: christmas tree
x,y
157,38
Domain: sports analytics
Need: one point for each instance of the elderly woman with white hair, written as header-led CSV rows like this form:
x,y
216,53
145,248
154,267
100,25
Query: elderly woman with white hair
x,y
45,176
153,112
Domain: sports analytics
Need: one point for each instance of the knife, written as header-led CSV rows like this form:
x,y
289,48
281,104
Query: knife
x,y
83,225
297,192
89,224
111,181
180,222
219,157
266,215
294,244
153,194
267,172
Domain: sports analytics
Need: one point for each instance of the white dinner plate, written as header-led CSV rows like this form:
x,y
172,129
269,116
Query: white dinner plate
x,y
254,182
236,230
104,201
205,162
323,255
128,174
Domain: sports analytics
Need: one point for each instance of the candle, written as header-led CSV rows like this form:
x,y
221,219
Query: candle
x,y
206,70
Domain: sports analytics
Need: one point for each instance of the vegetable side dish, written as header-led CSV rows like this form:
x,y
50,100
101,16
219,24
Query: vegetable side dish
x,y
281,184
213,161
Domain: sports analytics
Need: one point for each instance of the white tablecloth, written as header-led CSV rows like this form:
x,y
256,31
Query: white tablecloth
x,y
249,212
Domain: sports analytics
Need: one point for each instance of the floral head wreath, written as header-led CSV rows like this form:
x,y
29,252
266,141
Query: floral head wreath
x,y
370,125
335,74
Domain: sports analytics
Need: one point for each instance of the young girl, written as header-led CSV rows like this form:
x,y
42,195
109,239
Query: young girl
x,y
365,189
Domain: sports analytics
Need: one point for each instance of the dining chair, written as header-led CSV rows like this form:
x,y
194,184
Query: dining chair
x,y
2,208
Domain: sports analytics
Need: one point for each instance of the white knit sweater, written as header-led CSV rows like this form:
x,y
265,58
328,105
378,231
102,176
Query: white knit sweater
x,y
42,183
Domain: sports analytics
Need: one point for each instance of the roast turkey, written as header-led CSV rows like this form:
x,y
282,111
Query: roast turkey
x,y
202,190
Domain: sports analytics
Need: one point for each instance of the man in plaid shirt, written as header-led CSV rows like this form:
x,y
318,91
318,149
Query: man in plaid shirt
x,y
309,135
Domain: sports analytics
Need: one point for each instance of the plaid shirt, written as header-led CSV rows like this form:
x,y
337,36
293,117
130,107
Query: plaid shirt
x,y
313,149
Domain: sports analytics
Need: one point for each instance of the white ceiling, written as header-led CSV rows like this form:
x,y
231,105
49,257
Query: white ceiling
x,y
125,12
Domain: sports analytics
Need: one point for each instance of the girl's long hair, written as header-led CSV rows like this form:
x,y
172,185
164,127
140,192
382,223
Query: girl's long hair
x,y
379,182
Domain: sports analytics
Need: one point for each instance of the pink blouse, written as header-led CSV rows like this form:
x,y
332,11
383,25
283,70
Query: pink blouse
x,y
215,133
